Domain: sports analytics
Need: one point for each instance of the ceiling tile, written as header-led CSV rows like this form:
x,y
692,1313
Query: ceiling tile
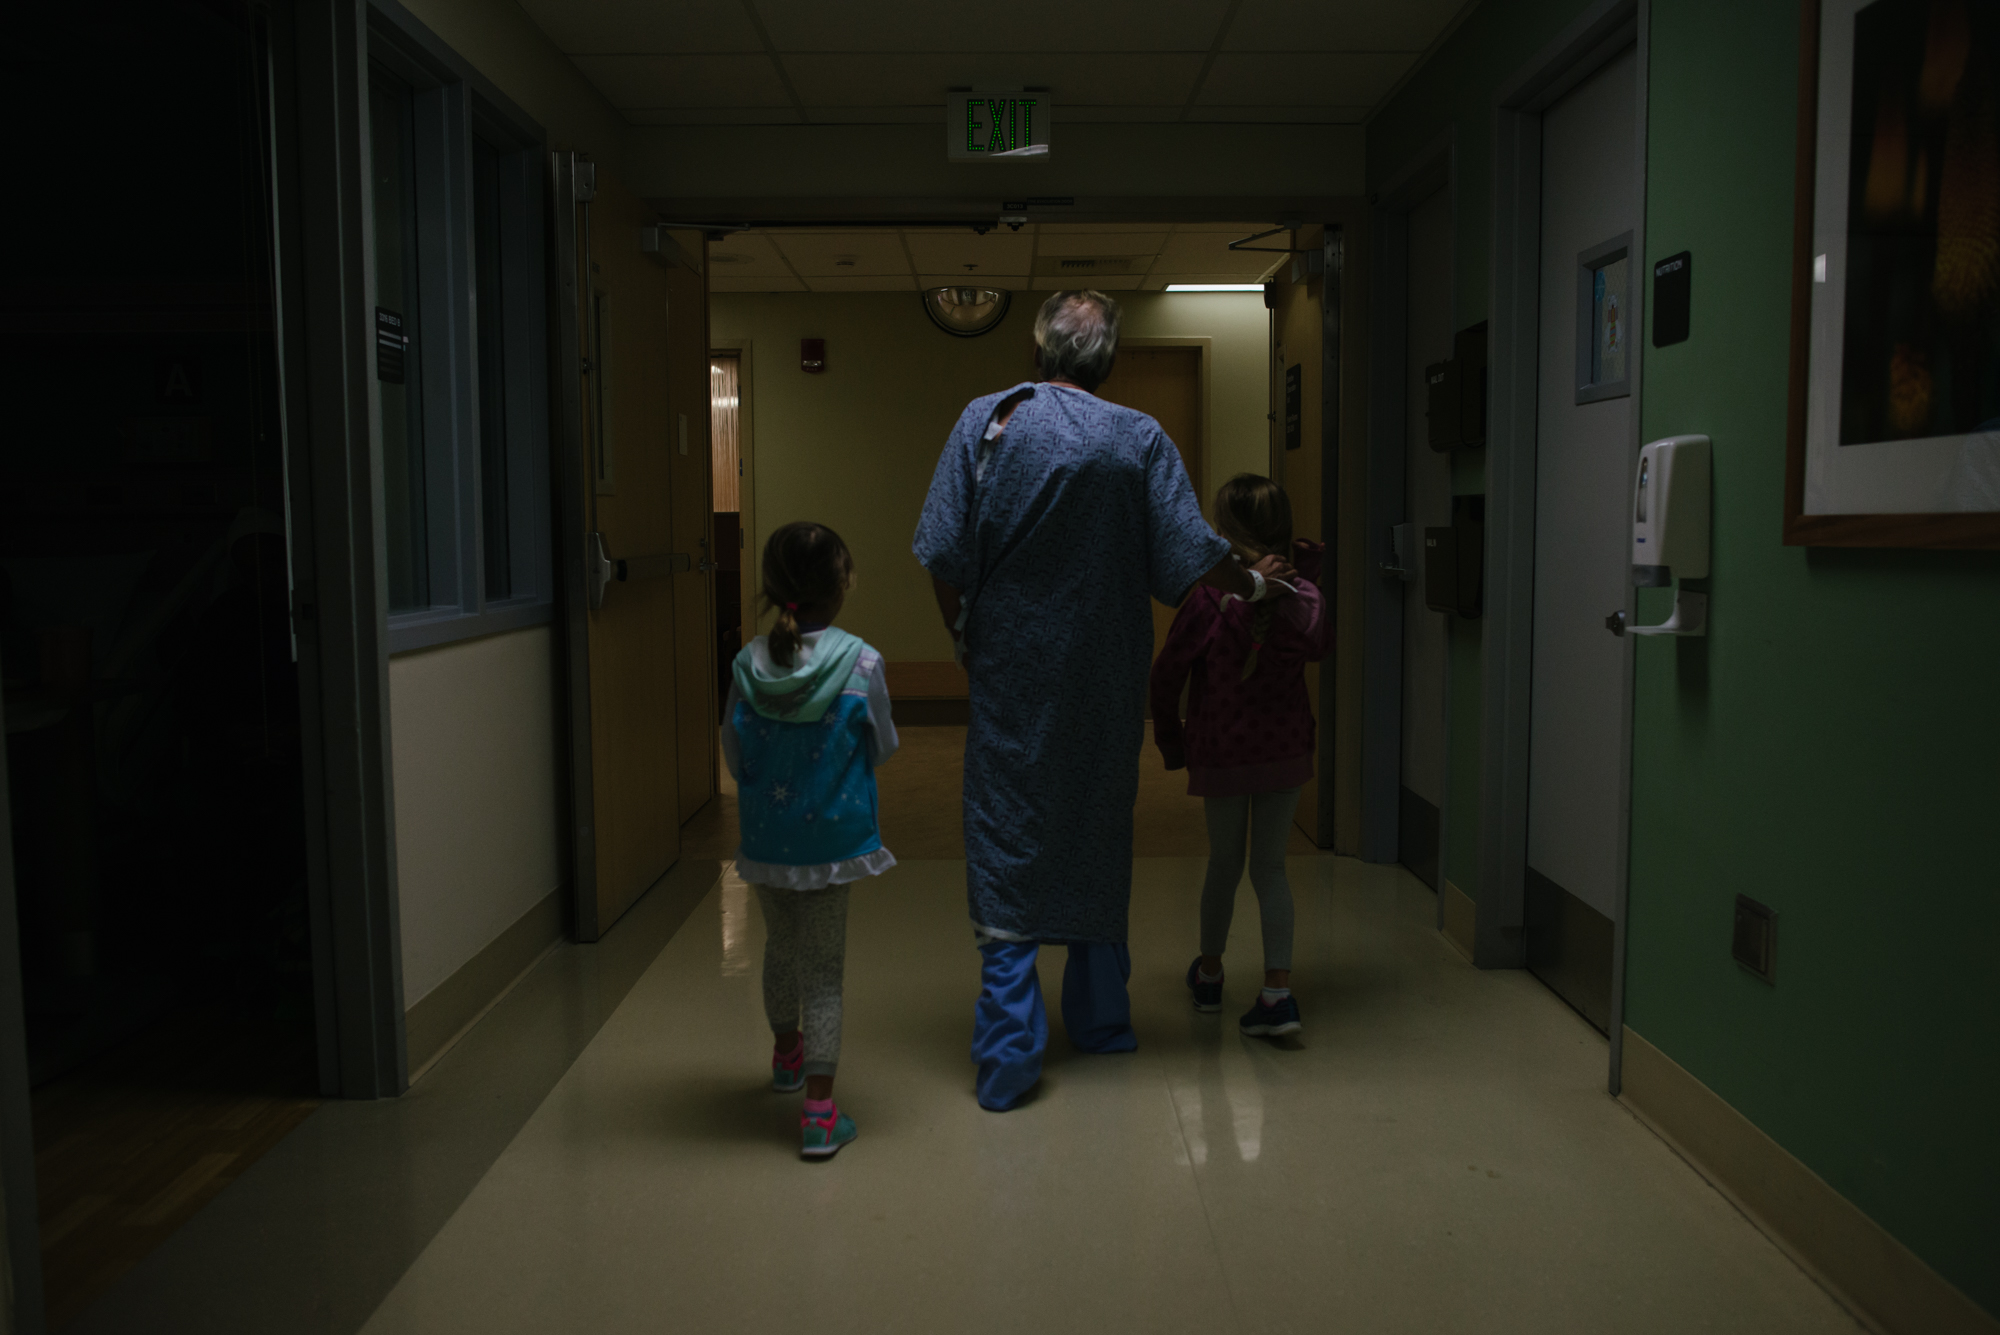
x,y
685,81
746,254
895,79
866,283
950,252
1005,282
1340,25
958,25
1235,229
1278,115
721,282
1101,243
1209,253
776,115
924,114
1134,114
867,254
1156,281
653,26
1102,283
1301,79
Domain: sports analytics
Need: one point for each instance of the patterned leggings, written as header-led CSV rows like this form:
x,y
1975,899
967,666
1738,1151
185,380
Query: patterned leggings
x,y
805,950
1264,823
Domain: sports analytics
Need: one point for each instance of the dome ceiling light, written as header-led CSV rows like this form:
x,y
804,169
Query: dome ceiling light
x,y
966,312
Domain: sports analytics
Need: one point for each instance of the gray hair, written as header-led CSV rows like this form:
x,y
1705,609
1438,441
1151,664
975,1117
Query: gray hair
x,y
1077,332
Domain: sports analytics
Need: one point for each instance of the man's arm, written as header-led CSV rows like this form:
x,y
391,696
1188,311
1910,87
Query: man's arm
x,y
949,602
1230,577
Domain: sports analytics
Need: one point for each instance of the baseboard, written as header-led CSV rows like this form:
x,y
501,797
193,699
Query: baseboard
x,y
434,1023
1853,1257
920,680
1461,918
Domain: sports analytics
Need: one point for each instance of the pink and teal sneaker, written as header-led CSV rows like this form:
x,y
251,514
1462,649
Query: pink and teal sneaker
x,y
787,1077
823,1133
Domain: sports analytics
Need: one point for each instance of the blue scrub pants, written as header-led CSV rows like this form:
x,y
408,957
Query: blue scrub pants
x,y
1010,1028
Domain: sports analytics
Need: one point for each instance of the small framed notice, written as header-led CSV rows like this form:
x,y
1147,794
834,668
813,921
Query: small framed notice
x,y
997,127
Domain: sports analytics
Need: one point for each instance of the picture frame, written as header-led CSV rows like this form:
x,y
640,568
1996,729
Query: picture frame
x,y
1885,444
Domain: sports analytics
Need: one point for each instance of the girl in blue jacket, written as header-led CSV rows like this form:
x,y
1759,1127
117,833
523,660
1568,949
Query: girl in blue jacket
x,y
805,725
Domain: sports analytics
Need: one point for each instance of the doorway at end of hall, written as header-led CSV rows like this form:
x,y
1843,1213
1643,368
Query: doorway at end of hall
x,y
729,439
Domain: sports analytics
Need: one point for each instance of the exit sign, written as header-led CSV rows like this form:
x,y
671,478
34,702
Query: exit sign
x,y
997,127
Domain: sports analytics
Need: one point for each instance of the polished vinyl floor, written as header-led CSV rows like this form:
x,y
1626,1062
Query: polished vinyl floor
x,y
1436,1152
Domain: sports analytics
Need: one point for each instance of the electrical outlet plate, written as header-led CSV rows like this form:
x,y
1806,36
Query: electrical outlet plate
x,y
1755,943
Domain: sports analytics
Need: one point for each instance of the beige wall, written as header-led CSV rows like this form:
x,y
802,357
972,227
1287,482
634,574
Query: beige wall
x,y
474,753
855,446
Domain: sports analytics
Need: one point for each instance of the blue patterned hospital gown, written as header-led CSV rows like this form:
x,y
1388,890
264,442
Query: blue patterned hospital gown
x,y
1058,534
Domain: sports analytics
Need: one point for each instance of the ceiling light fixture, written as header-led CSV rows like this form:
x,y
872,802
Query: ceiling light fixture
x,y
1215,287
966,312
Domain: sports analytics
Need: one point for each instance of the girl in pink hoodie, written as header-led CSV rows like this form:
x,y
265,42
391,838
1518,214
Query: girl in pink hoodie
x,y
1248,743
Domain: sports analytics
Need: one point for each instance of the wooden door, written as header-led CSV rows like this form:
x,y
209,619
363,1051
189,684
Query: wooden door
x,y
616,470
1165,384
693,520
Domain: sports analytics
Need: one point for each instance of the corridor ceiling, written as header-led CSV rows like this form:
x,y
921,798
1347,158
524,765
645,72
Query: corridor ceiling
x,y
802,62
1045,256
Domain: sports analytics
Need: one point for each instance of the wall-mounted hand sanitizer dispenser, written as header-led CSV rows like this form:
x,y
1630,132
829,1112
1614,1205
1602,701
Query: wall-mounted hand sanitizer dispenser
x,y
1670,512
1670,532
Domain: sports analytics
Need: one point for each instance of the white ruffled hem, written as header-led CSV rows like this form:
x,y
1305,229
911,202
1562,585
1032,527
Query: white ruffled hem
x,y
818,876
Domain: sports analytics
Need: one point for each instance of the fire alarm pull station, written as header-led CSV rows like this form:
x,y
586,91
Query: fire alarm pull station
x,y
812,355
1670,532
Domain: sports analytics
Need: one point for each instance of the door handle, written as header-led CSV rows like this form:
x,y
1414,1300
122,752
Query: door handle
x,y
598,569
1615,623
601,570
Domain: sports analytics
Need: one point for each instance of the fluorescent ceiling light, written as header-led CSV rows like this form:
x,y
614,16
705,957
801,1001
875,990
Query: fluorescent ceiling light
x,y
1215,287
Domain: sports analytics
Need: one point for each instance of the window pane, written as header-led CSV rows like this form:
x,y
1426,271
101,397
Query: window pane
x,y
486,168
399,370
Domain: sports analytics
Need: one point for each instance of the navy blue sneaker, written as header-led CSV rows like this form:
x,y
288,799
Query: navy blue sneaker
x,y
1262,1021
1207,995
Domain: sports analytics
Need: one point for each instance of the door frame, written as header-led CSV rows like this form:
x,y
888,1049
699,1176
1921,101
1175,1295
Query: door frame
x,y
1434,168
1592,40
575,494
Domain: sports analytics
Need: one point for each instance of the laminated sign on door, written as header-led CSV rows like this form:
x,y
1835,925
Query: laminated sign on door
x,y
997,127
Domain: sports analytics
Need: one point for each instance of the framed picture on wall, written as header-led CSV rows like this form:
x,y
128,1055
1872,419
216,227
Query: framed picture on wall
x,y
1894,432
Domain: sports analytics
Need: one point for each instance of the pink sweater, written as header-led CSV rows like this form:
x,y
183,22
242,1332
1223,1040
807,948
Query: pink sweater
x,y
1254,736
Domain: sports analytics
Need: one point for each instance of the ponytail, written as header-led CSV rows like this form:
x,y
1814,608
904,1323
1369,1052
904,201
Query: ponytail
x,y
806,567
1256,516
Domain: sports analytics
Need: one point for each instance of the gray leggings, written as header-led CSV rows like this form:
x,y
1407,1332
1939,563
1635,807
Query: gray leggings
x,y
1265,819
805,950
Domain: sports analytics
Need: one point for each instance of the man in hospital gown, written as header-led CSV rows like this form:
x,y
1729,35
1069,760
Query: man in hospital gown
x,y
1053,520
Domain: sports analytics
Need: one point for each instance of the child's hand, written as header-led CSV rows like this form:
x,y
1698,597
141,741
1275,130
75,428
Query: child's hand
x,y
1277,568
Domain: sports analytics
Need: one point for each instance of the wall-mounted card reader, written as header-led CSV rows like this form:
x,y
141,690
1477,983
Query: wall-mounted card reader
x,y
1670,505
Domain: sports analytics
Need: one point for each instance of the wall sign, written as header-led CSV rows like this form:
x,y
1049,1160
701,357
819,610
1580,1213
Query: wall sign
x,y
997,127
1673,285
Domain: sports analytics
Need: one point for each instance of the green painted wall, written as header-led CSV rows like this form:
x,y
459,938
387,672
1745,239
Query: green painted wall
x,y
1832,748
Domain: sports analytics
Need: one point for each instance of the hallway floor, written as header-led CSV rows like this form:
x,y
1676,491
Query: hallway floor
x,y
602,1153
1436,1154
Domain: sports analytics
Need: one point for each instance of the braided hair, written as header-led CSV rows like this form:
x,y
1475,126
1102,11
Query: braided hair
x,y
1254,513
806,565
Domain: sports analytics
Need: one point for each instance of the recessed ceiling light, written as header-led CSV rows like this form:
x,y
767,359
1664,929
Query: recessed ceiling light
x,y
1215,287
